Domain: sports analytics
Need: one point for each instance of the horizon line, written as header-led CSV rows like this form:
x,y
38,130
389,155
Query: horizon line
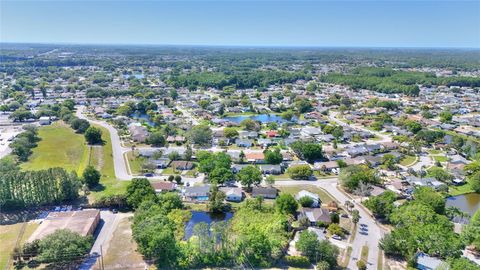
x,y
299,46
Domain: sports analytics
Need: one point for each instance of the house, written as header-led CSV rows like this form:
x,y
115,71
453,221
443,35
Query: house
x,y
182,165
161,163
271,134
357,151
138,132
237,167
233,194
44,120
304,193
425,262
163,186
265,142
265,192
329,166
271,169
316,215
255,157
196,193
243,142
148,152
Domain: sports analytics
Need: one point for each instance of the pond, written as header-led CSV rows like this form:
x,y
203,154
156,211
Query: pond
x,y
200,216
138,76
468,203
142,117
264,118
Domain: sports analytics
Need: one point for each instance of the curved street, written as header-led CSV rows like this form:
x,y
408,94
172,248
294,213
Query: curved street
x,y
375,232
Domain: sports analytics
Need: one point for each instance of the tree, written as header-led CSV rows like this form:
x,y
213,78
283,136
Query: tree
x,y
352,176
300,172
475,181
270,180
307,151
389,161
249,175
381,205
430,197
201,135
287,115
91,176
93,135
316,250
216,200
174,155
139,190
361,265
188,153
63,246
79,125
355,216
220,175
440,174
305,201
334,228
230,132
250,124
286,204
273,157
156,139
446,116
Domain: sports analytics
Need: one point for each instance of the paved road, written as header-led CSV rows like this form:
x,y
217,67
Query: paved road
x,y
121,172
375,233
383,138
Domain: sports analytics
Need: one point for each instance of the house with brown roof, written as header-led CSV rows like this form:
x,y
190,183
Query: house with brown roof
x,y
163,186
316,215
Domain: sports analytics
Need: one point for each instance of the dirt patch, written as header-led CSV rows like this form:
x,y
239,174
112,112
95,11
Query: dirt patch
x,y
121,253
97,157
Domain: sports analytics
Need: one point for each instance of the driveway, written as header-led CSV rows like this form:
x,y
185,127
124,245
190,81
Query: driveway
x,y
375,233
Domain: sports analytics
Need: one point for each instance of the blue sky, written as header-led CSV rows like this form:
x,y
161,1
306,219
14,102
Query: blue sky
x,y
380,23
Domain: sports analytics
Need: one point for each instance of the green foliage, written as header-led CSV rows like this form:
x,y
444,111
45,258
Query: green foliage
x,y
249,175
156,139
230,132
208,162
446,116
273,157
22,144
305,201
220,175
139,190
93,135
286,204
79,125
316,250
351,177
201,135
300,172
63,246
298,261
91,176
471,233
419,228
382,205
430,197
216,199
440,174
20,189
307,151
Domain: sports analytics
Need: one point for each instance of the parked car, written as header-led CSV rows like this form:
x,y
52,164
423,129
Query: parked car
x,y
148,174
336,237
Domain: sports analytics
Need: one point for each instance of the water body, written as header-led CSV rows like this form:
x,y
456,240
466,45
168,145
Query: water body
x,y
142,117
138,76
264,118
468,203
200,216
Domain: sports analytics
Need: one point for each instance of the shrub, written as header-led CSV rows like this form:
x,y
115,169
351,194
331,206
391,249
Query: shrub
x,y
297,261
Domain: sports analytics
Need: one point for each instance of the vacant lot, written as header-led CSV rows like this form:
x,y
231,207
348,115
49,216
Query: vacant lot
x,y
121,252
8,238
60,147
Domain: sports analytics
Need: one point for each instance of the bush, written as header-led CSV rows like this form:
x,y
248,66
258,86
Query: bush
x,y
361,265
297,261
300,172
306,201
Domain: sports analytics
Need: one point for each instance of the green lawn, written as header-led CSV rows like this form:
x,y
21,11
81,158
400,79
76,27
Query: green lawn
x,y
408,160
60,147
8,238
102,159
135,162
434,152
458,190
324,196
440,158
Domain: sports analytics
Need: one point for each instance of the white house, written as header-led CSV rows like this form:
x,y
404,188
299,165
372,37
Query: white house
x,y
44,120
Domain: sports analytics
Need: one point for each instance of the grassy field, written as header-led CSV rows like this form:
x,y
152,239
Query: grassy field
x,y
8,238
364,253
434,152
121,252
135,163
102,158
60,147
408,160
324,196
